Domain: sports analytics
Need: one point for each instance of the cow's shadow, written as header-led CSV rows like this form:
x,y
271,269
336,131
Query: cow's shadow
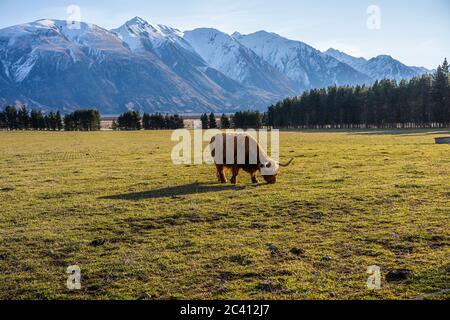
x,y
174,192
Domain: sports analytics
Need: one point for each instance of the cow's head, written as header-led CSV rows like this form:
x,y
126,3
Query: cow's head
x,y
270,169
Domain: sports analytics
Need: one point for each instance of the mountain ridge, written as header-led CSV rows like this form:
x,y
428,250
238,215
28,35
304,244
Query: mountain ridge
x,y
152,67
302,63
379,67
224,53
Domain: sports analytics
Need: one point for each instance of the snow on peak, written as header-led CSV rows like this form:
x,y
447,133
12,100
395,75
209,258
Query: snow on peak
x,y
385,58
220,51
70,30
134,31
211,37
378,68
84,34
262,35
356,63
43,38
288,56
271,46
305,65
46,23
35,39
137,20
236,35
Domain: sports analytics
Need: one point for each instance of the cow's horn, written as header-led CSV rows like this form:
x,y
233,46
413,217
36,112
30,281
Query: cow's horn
x,y
286,164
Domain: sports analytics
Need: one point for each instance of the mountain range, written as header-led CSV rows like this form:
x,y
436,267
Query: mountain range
x,y
52,65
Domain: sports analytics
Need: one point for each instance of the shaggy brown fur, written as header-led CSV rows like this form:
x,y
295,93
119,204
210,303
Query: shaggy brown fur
x,y
249,165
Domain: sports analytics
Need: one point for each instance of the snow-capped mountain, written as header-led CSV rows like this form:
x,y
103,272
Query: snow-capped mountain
x,y
226,54
308,67
138,34
22,47
385,66
164,41
176,53
378,68
46,64
356,63
49,64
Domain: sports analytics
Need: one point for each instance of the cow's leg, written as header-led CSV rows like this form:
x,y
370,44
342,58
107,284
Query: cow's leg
x,y
254,178
221,174
234,179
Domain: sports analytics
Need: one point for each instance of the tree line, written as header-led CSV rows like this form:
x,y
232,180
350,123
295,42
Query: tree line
x,y
420,102
13,118
132,120
241,120
20,118
82,120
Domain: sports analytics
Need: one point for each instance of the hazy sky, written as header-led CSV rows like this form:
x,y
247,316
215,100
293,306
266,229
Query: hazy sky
x,y
417,32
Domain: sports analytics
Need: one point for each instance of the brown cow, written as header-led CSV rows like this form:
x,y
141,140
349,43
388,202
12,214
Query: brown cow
x,y
248,155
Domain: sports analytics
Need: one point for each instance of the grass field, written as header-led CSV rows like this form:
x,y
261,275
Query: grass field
x,y
140,227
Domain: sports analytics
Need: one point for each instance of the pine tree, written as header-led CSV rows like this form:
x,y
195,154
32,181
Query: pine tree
x,y
11,117
160,122
3,123
36,120
178,122
225,122
440,94
95,120
247,120
48,122
130,120
403,111
156,122
42,124
167,124
51,121
212,121
205,121
82,120
58,120
146,121
23,118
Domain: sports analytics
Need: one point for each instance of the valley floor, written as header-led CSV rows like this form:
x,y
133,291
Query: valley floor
x,y
140,227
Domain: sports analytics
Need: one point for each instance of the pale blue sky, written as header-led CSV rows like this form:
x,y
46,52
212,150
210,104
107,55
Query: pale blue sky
x,y
417,32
